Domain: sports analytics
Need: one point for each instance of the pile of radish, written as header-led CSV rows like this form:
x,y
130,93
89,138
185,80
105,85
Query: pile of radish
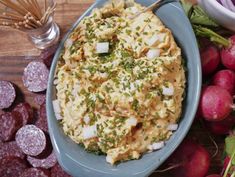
x,y
215,111
216,104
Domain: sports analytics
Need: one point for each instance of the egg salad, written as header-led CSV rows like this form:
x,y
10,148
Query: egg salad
x,y
120,82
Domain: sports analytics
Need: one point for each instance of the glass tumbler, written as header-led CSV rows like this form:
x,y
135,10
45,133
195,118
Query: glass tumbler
x,y
46,35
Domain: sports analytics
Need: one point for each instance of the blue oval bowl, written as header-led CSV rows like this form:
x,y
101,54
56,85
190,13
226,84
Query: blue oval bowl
x,y
79,163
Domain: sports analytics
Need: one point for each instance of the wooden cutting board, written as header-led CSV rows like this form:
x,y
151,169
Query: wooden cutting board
x,y
67,12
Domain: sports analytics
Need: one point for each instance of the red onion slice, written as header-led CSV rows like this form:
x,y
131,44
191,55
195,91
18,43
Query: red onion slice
x,y
224,3
228,4
231,5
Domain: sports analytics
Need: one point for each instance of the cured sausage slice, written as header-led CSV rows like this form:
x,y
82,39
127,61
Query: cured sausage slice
x,y
57,171
40,99
48,54
12,166
7,94
26,112
42,119
31,140
35,172
35,76
46,163
10,149
10,122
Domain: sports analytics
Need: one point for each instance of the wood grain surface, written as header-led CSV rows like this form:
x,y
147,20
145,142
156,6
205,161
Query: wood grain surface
x,y
16,52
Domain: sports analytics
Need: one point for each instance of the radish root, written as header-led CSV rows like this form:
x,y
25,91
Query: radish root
x,y
212,140
168,168
216,146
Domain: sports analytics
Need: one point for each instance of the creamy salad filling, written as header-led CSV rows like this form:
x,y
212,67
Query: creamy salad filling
x,y
120,83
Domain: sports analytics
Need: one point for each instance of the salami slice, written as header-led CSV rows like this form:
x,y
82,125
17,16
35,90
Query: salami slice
x,y
35,172
26,112
36,76
12,166
48,54
40,99
11,149
31,140
9,124
57,171
42,119
46,163
7,94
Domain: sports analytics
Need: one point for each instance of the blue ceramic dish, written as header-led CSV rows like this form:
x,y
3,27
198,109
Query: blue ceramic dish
x,y
79,163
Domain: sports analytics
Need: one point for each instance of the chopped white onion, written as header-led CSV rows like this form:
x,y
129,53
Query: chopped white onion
x,y
102,47
155,38
172,127
156,146
152,40
56,107
132,87
231,6
58,116
161,37
68,43
103,75
133,9
89,132
86,119
93,97
138,83
153,53
132,121
56,81
168,91
109,159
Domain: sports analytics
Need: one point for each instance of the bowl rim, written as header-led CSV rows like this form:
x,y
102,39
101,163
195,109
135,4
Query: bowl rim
x,y
184,131
215,4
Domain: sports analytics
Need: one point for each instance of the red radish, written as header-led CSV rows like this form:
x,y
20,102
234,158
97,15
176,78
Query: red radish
x,y
199,110
216,103
210,59
228,55
194,158
204,42
221,127
214,175
226,80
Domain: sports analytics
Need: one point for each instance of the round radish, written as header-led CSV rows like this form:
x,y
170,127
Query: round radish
x,y
228,55
221,127
214,175
226,80
210,59
194,160
199,110
216,103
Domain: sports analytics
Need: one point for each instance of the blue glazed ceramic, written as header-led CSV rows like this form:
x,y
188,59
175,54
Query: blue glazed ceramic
x,y
79,163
